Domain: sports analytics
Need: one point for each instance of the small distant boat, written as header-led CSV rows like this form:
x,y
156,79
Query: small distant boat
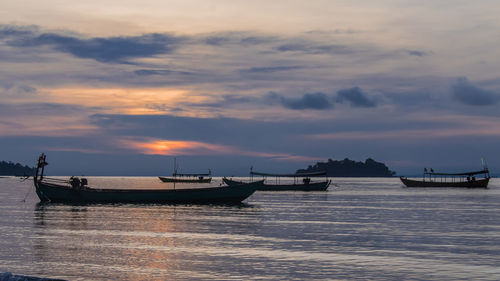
x,y
466,179
301,182
187,178
76,190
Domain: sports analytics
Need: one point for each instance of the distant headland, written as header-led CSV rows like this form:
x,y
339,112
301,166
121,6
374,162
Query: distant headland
x,y
350,168
11,169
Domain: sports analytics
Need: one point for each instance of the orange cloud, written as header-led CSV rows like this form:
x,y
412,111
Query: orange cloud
x,y
133,101
175,147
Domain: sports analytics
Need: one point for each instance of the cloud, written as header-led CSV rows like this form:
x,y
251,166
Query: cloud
x,y
148,72
314,101
308,101
177,147
416,53
16,91
228,131
469,94
270,69
256,40
216,40
356,97
227,100
314,48
111,49
16,31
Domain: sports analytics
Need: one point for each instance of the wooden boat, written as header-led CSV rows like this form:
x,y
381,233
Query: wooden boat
x,y
76,190
466,180
298,185
187,178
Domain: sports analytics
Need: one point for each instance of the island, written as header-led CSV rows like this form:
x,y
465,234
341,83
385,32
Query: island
x,y
15,169
350,168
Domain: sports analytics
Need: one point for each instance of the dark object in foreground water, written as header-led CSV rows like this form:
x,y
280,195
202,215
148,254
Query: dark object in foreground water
x,y
7,276
304,184
466,180
76,191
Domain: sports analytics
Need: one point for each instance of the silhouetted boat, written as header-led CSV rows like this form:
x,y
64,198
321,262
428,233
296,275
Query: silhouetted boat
x,y
298,185
467,179
187,178
75,190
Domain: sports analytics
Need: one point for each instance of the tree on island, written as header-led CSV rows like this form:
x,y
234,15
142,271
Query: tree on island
x,y
350,168
11,169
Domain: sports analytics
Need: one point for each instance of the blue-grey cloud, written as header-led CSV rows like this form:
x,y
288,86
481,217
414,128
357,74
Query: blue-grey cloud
x,y
314,101
147,72
314,48
13,114
270,69
216,40
356,97
469,94
225,101
19,90
416,53
308,101
7,31
257,40
111,49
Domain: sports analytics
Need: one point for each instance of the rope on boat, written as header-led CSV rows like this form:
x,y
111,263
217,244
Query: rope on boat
x,y
26,196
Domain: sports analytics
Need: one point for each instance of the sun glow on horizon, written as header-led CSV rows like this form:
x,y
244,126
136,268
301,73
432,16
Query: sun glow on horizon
x,y
179,147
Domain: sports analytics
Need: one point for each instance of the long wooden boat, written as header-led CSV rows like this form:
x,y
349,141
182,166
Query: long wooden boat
x,y
187,178
311,186
192,178
75,190
301,182
464,180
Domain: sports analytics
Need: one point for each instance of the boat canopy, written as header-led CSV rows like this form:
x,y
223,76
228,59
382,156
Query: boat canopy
x,y
485,171
311,174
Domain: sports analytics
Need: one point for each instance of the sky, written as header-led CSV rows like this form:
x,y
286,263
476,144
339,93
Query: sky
x,y
114,87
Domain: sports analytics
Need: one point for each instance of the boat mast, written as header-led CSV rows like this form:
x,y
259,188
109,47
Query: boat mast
x,y
40,165
175,171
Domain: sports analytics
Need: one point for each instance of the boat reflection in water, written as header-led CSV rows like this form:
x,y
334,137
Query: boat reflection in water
x,y
465,180
76,190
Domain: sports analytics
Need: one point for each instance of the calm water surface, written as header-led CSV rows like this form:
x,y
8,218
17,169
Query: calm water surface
x,y
359,229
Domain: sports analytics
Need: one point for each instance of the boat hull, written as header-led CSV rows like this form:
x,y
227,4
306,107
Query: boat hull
x,y
314,186
48,192
165,179
482,183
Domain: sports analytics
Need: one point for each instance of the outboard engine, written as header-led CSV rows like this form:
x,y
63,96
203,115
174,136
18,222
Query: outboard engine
x,y
83,182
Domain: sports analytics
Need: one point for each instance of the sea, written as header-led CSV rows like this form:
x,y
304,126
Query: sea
x,y
360,229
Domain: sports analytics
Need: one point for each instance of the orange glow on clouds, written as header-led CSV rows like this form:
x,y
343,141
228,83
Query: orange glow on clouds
x,y
131,101
176,147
